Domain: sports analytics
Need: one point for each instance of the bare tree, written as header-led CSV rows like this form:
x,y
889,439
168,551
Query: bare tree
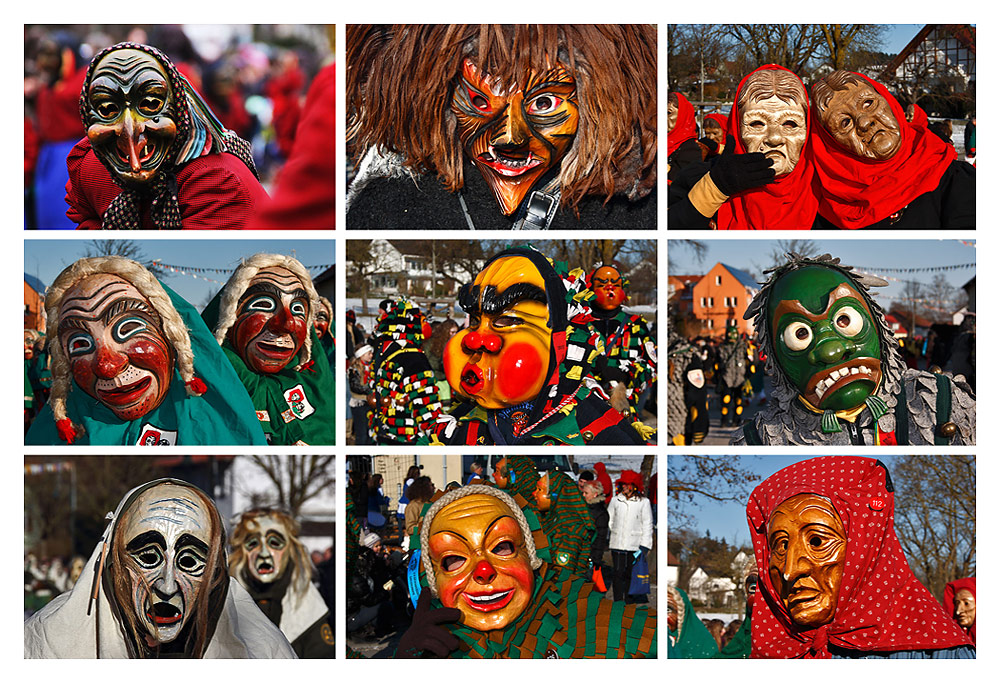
x,y
694,479
296,478
126,249
365,259
847,46
936,516
792,46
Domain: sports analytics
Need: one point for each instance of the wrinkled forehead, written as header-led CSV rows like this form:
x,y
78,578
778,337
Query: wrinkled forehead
x,y
964,594
810,286
852,93
774,105
806,508
470,515
95,292
507,271
277,275
170,510
267,523
128,65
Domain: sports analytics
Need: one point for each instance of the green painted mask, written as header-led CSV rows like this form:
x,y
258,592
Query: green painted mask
x,y
732,334
825,338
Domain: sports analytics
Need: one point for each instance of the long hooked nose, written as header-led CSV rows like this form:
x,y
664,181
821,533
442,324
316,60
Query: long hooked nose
x,y
132,140
513,129
108,362
795,564
484,572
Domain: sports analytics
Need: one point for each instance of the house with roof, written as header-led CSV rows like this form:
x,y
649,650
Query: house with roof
x,y
34,303
721,297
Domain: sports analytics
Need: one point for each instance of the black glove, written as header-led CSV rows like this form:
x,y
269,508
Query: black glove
x,y
733,173
426,635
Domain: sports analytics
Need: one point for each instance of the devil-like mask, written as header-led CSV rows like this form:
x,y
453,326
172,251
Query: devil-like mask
x,y
266,545
270,325
502,358
808,549
114,341
861,121
481,563
130,115
515,135
825,338
608,286
166,532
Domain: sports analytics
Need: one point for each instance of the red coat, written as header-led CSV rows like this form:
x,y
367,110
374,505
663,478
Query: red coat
x,y
216,191
58,108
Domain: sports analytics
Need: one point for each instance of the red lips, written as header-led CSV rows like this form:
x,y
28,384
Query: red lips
x,y
484,602
472,378
123,396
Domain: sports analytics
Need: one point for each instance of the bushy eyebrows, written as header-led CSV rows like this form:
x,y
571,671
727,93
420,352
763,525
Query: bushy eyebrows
x,y
144,539
493,302
189,540
270,288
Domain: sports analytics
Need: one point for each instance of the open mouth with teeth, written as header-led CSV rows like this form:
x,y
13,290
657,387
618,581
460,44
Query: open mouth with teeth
x,y
278,351
164,614
265,567
472,378
507,165
125,395
826,383
489,602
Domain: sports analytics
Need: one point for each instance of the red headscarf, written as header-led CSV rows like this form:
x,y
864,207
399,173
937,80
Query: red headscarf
x,y
949,599
919,116
855,192
786,204
631,477
685,129
719,119
882,607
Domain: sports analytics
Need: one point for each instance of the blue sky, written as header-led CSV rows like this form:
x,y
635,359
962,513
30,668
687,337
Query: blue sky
x,y
45,259
898,35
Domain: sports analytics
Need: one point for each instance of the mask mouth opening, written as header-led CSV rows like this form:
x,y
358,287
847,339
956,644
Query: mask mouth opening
x,y
264,567
490,601
164,614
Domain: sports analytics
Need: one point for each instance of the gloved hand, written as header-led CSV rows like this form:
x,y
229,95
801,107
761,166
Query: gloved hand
x,y
426,635
734,173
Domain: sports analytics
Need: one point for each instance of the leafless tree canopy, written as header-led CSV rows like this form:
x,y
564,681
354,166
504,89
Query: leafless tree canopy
x,y
296,478
696,479
124,248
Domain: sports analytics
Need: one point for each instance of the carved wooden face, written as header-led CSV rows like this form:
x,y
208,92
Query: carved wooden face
x,y
862,122
270,326
965,608
808,550
114,341
130,106
607,285
775,128
515,135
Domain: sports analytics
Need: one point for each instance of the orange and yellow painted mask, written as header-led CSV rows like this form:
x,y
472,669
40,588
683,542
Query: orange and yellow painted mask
x,y
607,285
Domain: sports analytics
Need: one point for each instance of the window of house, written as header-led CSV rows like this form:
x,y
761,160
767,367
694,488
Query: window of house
x,y
718,279
703,304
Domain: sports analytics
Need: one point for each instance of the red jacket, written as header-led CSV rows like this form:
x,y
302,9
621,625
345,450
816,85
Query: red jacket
x,y
216,191
58,107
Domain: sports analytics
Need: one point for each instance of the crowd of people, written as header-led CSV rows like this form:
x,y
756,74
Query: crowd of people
x,y
165,581
829,578
216,128
462,545
547,356
841,155
125,361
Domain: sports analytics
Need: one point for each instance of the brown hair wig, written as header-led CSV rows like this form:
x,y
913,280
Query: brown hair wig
x,y
211,596
298,558
400,81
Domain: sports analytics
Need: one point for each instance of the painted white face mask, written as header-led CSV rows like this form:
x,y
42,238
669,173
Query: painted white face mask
x,y
776,129
167,534
696,378
266,549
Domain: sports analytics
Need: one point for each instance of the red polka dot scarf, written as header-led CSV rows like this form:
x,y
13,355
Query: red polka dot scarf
x,y
882,607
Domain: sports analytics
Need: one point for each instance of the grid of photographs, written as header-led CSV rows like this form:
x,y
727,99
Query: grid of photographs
x,y
388,437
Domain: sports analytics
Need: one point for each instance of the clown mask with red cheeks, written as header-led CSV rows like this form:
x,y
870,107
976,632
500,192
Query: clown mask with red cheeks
x,y
114,341
270,325
515,135
481,562
502,358
266,547
607,285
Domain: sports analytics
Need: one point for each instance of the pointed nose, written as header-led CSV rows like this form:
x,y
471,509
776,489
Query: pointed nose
x,y
167,585
514,129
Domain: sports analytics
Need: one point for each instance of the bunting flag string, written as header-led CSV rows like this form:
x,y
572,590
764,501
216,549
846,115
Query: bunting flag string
x,y
924,269
186,270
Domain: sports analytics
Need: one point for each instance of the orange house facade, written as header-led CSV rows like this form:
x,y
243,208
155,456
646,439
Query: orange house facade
x,y
721,297
34,305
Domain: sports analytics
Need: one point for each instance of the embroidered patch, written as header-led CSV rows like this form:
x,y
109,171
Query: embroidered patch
x,y
263,416
152,435
562,559
551,654
326,633
298,403
287,416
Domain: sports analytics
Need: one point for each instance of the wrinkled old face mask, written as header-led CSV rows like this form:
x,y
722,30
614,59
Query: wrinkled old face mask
x,y
825,338
808,550
481,562
672,112
270,325
502,358
777,129
29,346
131,124
861,121
114,341
965,608
713,131
167,536
607,285
266,548
515,135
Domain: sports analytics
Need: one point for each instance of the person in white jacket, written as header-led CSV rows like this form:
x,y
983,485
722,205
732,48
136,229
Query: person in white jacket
x,y
630,522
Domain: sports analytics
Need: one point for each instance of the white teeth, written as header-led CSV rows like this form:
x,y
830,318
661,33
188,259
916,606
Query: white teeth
x,y
488,598
854,371
844,372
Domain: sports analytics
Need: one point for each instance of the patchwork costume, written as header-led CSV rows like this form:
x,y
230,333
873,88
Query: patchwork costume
x,y
568,525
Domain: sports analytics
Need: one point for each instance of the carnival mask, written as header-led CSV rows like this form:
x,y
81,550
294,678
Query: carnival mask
x,y
542,497
808,550
130,114
166,533
481,562
965,608
114,341
501,473
713,131
270,325
502,358
672,613
750,587
266,548
777,129
862,122
515,135
322,321
29,346
673,110
825,337
607,285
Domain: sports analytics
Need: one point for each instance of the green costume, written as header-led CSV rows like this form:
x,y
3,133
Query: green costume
x,y
739,646
29,395
568,525
691,640
223,416
295,407
522,476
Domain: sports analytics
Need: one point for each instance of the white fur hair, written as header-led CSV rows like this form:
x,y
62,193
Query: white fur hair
x,y
135,274
240,280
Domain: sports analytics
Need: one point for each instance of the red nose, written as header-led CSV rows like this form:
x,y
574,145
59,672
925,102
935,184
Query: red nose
x,y
484,572
475,341
108,362
281,320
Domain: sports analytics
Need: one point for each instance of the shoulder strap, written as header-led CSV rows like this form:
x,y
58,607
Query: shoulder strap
x,y
751,435
943,408
902,417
